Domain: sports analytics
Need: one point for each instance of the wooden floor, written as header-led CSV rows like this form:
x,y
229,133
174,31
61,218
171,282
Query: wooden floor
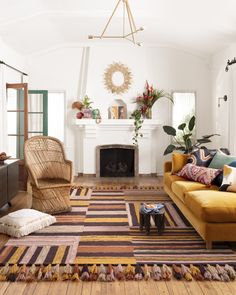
x,y
139,180
173,287
119,288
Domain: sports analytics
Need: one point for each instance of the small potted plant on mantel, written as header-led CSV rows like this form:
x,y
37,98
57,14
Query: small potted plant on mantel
x,y
85,109
145,103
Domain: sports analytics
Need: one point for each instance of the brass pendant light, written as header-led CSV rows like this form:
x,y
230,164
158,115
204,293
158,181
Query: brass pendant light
x,y
133,30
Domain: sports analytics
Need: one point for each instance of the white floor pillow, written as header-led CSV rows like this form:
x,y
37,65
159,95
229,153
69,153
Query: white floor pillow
x,y
25,221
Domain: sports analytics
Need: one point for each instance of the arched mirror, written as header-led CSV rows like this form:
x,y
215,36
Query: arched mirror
x,y
117,78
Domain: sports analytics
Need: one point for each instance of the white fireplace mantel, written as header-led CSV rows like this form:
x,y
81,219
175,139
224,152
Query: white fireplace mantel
x,y
90,134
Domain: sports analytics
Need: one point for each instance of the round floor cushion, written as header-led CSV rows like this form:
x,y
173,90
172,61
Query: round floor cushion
x,y
25,221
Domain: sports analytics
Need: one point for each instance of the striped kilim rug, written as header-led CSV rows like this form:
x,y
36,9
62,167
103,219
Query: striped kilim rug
x,y
103,227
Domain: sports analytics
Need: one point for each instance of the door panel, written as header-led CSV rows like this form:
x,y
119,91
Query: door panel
x,y
17,109
37,112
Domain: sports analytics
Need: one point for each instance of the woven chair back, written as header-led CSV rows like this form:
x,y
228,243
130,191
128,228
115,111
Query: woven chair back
x,y
44,157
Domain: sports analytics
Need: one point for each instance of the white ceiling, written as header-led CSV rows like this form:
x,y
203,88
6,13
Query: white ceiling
x,y
200,26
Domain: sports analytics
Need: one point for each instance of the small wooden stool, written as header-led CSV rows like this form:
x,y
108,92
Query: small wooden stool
x,y
158,218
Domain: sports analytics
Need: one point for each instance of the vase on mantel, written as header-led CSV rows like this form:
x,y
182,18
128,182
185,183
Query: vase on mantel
x,y
148,114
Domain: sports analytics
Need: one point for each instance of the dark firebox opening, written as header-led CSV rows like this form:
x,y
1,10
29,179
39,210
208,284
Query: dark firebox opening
x,y
117,162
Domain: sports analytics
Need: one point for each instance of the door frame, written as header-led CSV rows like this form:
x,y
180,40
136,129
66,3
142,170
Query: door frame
x,y
23,86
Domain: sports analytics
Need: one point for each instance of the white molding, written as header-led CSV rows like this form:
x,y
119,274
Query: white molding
x,y
89,135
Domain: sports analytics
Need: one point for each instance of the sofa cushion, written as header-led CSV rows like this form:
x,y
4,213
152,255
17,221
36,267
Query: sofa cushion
x,y
220,159
229,175
180,188
201,157
219,178
170,178
212,206
178,162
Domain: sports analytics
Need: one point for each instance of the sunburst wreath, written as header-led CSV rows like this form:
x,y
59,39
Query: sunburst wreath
x,y
109,72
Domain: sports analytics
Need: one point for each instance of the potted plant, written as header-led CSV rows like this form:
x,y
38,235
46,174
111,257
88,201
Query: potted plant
x,y
183,141
145,103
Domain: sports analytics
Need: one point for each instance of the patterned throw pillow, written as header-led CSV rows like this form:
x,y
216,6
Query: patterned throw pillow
x,y
200,174
228,188
200,157
229,175
203,156
229,179
219,179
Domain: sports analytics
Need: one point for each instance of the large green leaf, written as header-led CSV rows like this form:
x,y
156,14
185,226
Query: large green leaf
x,y
203,140
180,148
191,123
169,130
169,149
182,126
186,136
188,143
211,135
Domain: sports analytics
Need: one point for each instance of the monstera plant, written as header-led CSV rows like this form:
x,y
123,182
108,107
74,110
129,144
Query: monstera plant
x,y
183,140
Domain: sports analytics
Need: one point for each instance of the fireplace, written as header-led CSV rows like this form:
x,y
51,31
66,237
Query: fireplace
x,y
116,160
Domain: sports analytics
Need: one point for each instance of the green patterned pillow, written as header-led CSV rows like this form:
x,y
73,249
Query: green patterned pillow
x,y
220,159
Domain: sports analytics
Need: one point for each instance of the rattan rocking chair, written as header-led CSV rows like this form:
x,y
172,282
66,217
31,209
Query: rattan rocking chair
x,y
50,174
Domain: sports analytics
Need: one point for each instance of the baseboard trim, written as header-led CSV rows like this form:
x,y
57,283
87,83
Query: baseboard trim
x,y
139,175
86,175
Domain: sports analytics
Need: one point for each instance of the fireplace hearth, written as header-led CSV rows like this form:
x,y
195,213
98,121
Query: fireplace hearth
x,y
116,161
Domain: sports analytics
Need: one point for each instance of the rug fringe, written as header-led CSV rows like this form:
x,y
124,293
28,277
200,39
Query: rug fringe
x,y
119,187
111,273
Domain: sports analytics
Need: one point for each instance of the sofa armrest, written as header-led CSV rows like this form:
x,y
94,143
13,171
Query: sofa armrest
x,y
167,166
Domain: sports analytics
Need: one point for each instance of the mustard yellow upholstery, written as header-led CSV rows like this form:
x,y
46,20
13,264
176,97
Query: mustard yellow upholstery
x,y
167,166
212,206
182,187
211,212
178,162
169,178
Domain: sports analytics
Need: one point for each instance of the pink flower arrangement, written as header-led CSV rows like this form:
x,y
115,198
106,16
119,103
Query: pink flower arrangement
x,y
149,97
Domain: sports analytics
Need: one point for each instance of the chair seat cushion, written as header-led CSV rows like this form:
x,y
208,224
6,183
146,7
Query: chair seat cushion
x,y
212,206
25,221
52,182
180,188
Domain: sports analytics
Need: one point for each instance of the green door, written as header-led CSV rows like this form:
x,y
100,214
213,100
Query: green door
x,y
37,112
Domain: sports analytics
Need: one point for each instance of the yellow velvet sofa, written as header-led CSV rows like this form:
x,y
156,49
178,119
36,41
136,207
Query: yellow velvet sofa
x,y
211,212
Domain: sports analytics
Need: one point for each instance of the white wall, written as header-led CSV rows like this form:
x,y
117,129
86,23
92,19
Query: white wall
x,y
55,70
166,68
224,83
8,75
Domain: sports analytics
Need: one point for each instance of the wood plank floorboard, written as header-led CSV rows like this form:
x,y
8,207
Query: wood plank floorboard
x,y
3,287
75,288
119,288
147,288
174,287
193,288
131,288
15,288
30,288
